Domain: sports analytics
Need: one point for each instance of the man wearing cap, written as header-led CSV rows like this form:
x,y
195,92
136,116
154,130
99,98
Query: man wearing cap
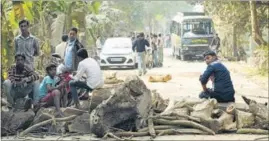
x,y
223,90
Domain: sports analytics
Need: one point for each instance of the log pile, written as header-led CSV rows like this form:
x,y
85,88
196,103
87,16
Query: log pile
x,y
130,109
112,78
160,78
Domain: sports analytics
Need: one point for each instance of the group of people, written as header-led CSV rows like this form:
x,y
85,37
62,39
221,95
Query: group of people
x,y
82,72
141,45
23,81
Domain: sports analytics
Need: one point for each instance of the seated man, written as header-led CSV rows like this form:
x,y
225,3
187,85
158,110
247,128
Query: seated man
x,y
49,93
92,71
223,90
20,81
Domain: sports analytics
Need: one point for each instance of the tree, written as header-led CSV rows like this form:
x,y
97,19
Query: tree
x,y
256,32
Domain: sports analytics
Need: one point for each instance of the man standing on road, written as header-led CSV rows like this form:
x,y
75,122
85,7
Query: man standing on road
x,y
154,43
215,44
73,45
27,45
160,50
60,49
140,47
223,90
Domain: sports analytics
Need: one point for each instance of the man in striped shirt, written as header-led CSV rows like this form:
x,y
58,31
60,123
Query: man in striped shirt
x,y
28,45
20,80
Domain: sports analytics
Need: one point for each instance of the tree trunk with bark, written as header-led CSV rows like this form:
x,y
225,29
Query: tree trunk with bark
x,y
127,108
256,34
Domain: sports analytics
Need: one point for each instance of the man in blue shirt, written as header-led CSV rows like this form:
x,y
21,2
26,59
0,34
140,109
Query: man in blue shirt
x,y
73,45
223,90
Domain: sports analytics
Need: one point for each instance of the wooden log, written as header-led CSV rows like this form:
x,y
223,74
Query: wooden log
x,y
244,119
169,107
231,109
216,113
160,78
179,131
28,130
227,122
212,124
130,102
252,131
151,125
113,81
184,123
96,98
204,109
188,102
240,106
160,132
177,116
158,127
158,103
261,124
134,134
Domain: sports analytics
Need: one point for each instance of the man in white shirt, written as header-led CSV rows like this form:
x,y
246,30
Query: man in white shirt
x,y
91,69
60,49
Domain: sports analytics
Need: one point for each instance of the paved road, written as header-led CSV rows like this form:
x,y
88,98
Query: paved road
x,y
185,81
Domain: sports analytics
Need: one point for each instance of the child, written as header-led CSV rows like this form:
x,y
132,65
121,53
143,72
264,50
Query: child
x,y
65,76
48,92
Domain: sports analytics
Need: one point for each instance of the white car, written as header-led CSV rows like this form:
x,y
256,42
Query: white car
x,y
117,52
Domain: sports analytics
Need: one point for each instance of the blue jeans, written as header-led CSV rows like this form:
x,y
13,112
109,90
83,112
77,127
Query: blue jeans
x,y
141,59
78,84
211,94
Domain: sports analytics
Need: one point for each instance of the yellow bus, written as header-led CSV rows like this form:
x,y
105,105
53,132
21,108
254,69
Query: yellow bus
x,y
191,34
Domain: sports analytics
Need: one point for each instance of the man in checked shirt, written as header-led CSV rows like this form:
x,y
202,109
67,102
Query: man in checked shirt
x,y
20,80
28,45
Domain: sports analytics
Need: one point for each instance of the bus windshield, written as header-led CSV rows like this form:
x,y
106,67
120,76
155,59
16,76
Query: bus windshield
x,y
201,27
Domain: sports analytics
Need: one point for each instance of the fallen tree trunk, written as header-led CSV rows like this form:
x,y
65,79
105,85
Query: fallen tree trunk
x,y
158,103
184,123
160,132
158,127
28,130
252,131
96,98
129,103
244,119
151,125
204,110
175,116
257,109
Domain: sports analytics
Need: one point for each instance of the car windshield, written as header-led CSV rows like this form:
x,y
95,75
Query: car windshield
x,y
118,43
202,27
